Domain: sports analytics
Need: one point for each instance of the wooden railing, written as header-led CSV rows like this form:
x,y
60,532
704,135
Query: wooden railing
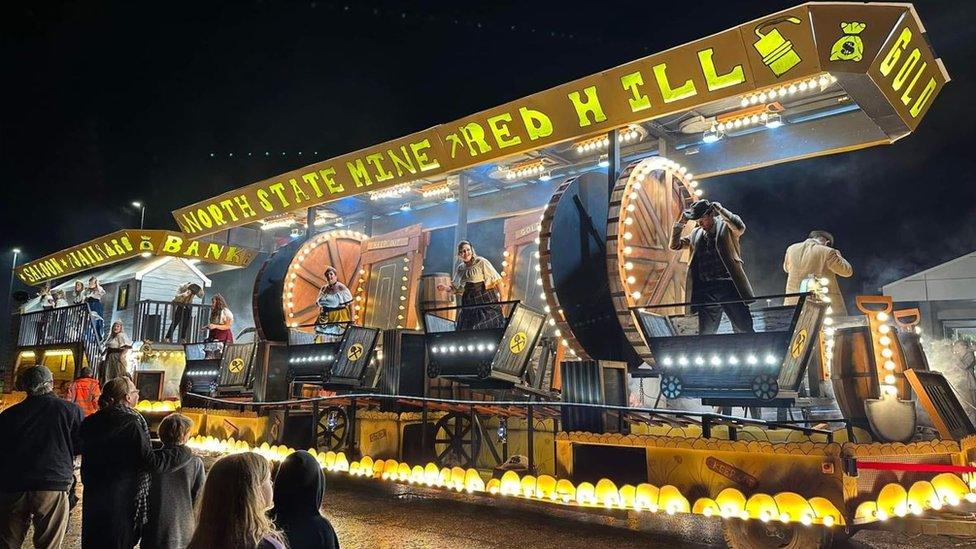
x,y
70,325
155,322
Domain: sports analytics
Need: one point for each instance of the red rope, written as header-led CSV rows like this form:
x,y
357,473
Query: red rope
x,y
921,467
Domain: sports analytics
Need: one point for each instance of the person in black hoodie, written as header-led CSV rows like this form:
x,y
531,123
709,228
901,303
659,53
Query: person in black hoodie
x,y
299,489
40,438
172,495
117,459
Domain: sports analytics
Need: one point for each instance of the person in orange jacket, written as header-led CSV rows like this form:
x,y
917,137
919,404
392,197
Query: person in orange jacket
x,y
85,391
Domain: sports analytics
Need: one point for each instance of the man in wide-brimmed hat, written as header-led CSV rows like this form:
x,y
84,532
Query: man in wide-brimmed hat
x,y
715,274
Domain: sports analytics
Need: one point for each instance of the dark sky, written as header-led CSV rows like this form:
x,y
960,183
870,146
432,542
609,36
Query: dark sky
x,y
109,102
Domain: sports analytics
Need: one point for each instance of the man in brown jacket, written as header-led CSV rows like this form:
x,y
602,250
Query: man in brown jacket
x,y
715,273
816,257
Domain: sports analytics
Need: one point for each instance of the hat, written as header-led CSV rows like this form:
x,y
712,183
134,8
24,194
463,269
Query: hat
x,y
34,377
697,210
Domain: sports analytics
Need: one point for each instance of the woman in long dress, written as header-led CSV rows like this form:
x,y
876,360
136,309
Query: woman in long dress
x,y
220,327
335,300
117,345
476,281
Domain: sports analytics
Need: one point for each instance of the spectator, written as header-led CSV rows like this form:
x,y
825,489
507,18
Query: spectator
x,y
117,345
85,391
181,310
117,459
40,438
299,489
173,494
233,511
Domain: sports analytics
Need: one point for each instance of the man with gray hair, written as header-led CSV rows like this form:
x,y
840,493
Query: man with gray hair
x,y
40,438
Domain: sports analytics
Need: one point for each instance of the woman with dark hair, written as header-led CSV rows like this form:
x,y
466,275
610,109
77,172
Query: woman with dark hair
x,y
476,280
232,513
116,461
334,299
299,489
219,329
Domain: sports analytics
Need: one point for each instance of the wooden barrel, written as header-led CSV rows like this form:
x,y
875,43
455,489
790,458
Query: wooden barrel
x,y
434,292
853,373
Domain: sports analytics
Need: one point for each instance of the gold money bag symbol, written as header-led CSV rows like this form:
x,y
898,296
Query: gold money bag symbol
x,y
848,47
777,52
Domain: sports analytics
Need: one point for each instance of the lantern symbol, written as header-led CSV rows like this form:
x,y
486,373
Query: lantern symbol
x,y
777,52
848,47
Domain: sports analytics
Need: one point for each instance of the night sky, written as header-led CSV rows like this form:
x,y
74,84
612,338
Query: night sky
x,y
105,103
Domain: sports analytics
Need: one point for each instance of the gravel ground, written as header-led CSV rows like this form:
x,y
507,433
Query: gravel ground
x,y
371,515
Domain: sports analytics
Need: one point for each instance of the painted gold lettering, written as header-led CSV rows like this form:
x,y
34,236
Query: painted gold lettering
x,y
923,98
263,200
279,190
891,58
906,69
717,81
419,151
537,123
499,130
300,195
216,214
245,206
376,159
214,251
173,244
632,82
473,135
585,108
401,164
193,250
228,207
669,94
328,175
359,174
905,97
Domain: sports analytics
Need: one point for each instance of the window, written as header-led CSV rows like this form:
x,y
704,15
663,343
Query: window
x,y
122,302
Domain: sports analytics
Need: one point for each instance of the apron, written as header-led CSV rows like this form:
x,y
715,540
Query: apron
x,y
479,318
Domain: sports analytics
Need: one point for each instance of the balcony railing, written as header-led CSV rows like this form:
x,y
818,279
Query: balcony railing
x,y
70,325
164,320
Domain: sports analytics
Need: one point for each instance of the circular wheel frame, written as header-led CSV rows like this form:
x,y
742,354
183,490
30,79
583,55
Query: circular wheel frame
x,y
339,249
671,386
765,387
456,441
330,432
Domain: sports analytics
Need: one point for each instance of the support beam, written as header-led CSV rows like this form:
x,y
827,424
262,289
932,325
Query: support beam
x,y
613,157
461,229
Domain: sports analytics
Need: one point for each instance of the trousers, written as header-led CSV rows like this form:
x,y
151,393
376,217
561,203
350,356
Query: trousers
x,y
48,511
710,316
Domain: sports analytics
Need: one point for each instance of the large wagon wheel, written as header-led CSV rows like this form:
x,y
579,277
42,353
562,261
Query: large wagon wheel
x,y
456,441
340,249
646,200
330,432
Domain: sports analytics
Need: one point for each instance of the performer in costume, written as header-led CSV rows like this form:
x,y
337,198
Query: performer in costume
x,y
93,297
221,320
182,310
816,257
117,346
475,280
335,300
716,272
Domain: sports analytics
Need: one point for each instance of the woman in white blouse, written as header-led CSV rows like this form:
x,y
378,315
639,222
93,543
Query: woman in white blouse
x,y
117,346
93,297
221,321
476,280
334,299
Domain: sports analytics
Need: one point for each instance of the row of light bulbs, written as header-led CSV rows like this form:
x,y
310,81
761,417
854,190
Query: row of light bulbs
x,y
469,348
600,143
884,335
308,359
813,84
433,192
525,170
396,191
202,373
771,120
631,194
717,361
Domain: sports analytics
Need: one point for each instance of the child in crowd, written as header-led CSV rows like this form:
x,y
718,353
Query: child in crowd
x,y
233,511
173,494
299,489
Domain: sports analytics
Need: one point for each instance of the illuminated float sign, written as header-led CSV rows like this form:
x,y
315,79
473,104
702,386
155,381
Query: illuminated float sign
x,y
125,244
783,48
